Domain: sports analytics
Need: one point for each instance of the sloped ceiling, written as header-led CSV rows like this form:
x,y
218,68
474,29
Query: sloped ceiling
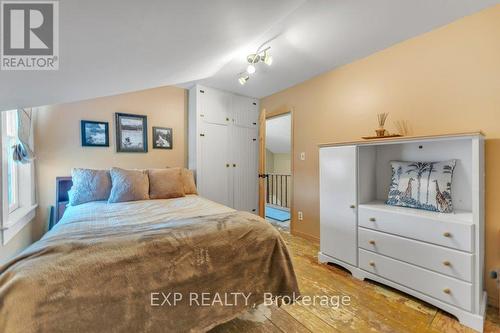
x,y
321,35
115,46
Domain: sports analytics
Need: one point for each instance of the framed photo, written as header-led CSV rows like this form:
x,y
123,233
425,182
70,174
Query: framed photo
x,y
131,133
95,133
162,138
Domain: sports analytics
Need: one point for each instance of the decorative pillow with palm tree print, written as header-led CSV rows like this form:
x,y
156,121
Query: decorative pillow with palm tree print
x,y
422,185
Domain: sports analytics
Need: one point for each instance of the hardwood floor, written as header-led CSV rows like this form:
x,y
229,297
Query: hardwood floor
x,y
281,226
373,308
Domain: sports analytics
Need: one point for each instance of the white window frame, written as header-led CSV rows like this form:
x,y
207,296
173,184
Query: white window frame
x,y
9,128
15,217
15,176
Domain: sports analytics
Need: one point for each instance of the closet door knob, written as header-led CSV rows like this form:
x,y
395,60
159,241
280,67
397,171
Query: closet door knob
x,y
446,263
234,165
352,206
447,234
371,263
372,219
372,242
227,119
447,290
227,165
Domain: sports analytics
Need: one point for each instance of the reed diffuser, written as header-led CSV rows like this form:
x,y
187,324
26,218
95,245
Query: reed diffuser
x,y
403,127
381,122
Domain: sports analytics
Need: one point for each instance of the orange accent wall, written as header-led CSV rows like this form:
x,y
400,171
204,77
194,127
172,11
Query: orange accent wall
x,y
444,81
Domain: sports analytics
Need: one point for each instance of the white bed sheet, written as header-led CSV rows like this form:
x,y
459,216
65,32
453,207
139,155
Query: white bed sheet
x,y
101,213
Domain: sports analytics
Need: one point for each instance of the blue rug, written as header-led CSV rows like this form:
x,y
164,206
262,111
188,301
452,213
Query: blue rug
x,y
277,214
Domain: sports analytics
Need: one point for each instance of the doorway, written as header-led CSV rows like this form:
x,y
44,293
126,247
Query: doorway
x,y
277,169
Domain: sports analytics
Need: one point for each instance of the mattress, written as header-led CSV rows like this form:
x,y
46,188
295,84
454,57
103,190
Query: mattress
x,y
99,213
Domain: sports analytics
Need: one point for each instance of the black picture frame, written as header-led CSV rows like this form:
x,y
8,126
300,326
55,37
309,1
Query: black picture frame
x,y
163,138
91,133
132,136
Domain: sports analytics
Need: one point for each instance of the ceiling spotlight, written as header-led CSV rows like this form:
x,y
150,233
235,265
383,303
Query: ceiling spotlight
x,y
251,69
268,59
261,55
243,79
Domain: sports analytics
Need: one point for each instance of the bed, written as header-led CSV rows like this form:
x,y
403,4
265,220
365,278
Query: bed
x,y
120,268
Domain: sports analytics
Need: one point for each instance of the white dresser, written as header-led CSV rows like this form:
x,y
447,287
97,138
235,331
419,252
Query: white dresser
x,y
436,257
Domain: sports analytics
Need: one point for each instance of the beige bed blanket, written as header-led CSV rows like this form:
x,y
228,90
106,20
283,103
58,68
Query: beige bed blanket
x,y
110,268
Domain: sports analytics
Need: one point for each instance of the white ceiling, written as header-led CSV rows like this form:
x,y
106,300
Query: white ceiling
x,y
114,46
279,134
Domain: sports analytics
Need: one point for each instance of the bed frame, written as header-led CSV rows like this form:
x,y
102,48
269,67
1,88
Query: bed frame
x,y
63,185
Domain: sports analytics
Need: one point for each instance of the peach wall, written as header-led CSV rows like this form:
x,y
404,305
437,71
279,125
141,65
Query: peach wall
x,y
58,147
447,80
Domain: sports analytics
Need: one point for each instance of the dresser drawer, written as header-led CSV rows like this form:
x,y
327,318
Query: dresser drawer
x,y
450,262
419,226
446,289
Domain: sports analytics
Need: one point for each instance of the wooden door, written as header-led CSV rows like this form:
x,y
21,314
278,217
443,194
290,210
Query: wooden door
x,y
262,163
338,206
214,164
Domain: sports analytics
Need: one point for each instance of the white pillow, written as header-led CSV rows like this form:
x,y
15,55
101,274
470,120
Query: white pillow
x,y
89,185
422,185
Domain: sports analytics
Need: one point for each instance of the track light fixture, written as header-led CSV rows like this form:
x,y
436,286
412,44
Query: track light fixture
x,y
253,59
251,69
243,78
268,59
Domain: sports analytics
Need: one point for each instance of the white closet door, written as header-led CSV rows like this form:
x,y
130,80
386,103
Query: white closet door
x,y
244,167
245,111
214,172
214,106
338,203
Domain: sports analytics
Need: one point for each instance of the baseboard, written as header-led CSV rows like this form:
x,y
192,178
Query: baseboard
x,y
306,236
493,301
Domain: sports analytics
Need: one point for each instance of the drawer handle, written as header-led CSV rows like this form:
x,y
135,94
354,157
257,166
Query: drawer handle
x,y
352,206
447,291
372,219
372,242
446,263
447,234
371,263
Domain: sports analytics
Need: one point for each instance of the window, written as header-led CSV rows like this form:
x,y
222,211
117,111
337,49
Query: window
x,y
12,167
18,206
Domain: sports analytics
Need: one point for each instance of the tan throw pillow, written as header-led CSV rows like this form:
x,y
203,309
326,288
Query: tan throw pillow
x,y
89,185
188,181
128,185
165,183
